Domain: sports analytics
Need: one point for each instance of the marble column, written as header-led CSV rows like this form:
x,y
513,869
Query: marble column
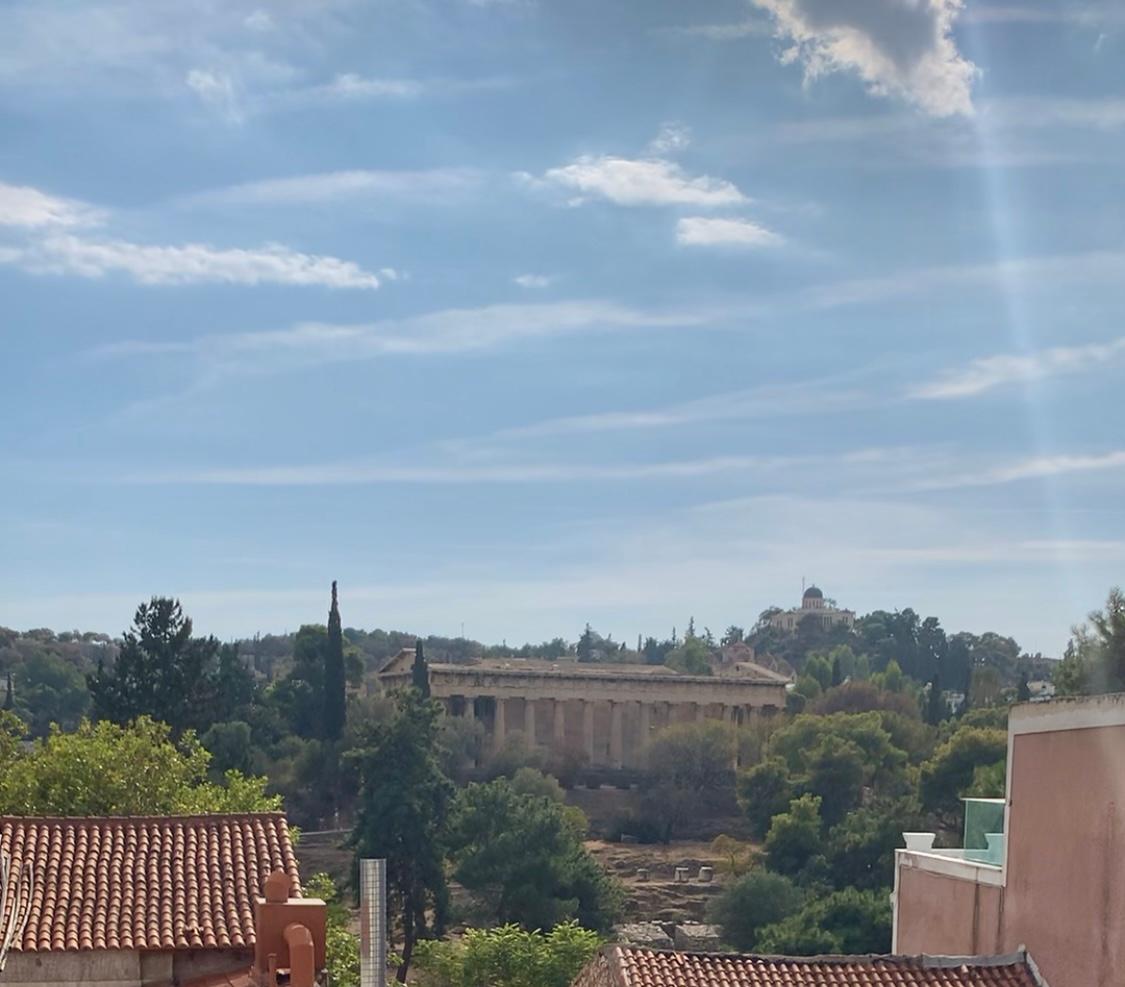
x,y
529,722
469,709
588,730
499,727
616,735
558,724
645,733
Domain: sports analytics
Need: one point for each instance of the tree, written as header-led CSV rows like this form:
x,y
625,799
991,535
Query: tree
x,y
9,697
947,775
420,671
835,774
586,645
523,856
1095,657
1023,689
229,745
335,685
161,671
793,842
733,635
342,945
763,792
402,810
860,848
936,709
508,956
750,903
689,763
693,657
103,769
850,922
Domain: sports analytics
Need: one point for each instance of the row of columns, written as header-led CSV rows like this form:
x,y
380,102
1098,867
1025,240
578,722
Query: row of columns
x,y
466,706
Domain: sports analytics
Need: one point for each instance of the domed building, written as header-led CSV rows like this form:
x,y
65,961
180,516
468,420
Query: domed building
x,y
813,608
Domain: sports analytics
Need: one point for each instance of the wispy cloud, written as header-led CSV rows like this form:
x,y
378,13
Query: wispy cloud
x,y
724,31
31,209
334,186
187,264
1032,468
533,280
434,333
701,231
349,85
217,90
641,182
671,138
896,48
989,372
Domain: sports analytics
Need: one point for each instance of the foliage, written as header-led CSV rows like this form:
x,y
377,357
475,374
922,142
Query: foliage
x,y
835,774
693,657
162,671
793,843
523,856
342,959
689,762
229,744
335,686
860,848
763,792
508,956
530,781
754,901
844,922
736,856
948,774
989,781
403,806
105,769
1095,657
420,671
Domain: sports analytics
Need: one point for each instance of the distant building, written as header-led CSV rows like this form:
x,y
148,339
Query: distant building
x,y
813,609
1043,867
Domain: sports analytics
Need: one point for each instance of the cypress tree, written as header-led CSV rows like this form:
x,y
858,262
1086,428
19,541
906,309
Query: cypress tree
x,y
9,696
419,671
335,705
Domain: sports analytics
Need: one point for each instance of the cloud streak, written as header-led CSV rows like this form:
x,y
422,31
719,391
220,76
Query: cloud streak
x,y
641,182
28,208
705,231
338,186
990,372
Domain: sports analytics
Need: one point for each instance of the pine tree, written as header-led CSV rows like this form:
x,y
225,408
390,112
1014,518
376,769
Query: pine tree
x,y
935,704
335,701
1023,690
420,671
9,696
837,672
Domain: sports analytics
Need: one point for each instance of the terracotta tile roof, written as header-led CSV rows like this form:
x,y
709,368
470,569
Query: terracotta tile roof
x,y
627,966
161,882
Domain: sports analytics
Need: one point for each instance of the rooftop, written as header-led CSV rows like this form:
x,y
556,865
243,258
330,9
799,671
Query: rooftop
x,y
627,966
145,882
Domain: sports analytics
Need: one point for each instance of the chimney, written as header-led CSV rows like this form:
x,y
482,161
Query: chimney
x,y
289,935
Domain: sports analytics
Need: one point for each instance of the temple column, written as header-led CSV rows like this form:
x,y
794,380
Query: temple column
x,y
616,735
469,709
700,712
558,724
588,730
499,727
645,734
529,721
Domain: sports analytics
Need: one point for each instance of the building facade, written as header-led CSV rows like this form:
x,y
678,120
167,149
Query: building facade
x,y
1054,878
814,610
601,715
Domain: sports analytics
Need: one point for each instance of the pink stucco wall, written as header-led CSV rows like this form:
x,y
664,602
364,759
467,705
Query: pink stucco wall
x,y
1064,894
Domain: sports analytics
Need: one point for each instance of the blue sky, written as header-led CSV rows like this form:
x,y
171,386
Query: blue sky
x,y
519,314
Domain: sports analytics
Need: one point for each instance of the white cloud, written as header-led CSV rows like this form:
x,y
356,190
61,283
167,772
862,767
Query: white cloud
x,y
903,48
187,264
730,31
642,182
348,85
217,90
1032,468
259,20
340,185
700,231
28,208
532,280
672,137
986,373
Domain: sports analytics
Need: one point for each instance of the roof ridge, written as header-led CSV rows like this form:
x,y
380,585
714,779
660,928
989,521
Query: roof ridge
x,y
270,813
924,960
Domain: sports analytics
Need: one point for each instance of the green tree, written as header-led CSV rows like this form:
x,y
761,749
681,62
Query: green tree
x,y
860,848
793,844
162,671
229,744
847,922
763,792
689,764
1095,656
835,774
103,769
1023,689
401,814
693,657
420,671
754,901
508,956
523,856
335,684
342,945
949,773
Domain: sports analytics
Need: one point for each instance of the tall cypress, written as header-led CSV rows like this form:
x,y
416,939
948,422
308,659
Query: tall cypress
x,y
419,671
9,696
335,708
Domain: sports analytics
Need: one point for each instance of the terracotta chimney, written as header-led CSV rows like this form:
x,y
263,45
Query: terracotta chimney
x,y
290,935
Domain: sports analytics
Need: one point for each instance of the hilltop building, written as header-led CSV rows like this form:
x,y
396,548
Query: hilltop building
x,y
1042,867
601,715
813,609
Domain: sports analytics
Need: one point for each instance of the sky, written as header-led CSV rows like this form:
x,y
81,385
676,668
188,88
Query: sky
x,y
513,315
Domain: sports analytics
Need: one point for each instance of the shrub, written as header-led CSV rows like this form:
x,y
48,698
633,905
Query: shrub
x,y
754,901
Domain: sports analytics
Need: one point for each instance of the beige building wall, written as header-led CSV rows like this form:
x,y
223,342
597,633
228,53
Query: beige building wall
x,y
1061,890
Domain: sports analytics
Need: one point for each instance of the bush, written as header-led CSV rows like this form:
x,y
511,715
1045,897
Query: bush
x,y
507,957
751,903
794,844
641,828
847,922
763,792
342,945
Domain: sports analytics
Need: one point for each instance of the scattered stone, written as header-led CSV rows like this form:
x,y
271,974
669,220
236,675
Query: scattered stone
x,y
706,874
697,937
642,873
681,875
648,934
